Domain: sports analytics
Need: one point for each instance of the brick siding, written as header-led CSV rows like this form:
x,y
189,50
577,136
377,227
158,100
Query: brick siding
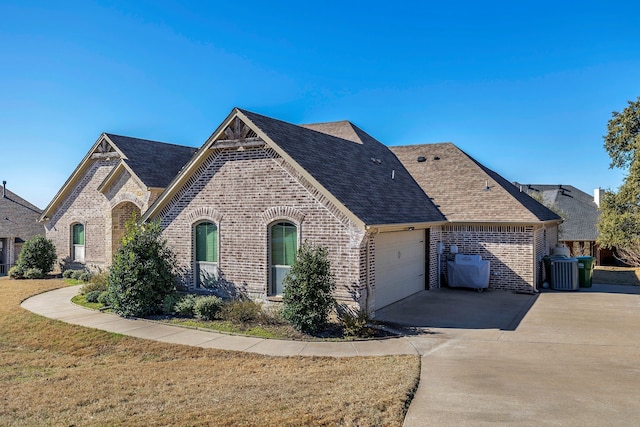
x,y
244,192
86,205
510,250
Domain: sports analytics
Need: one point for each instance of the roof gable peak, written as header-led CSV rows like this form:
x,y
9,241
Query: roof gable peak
x,y
105,148
343,129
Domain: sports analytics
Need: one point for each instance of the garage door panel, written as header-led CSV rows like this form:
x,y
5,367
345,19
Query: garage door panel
x,y
399,265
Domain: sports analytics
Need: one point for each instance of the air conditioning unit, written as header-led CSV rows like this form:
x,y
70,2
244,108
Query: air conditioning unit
x,y
564,274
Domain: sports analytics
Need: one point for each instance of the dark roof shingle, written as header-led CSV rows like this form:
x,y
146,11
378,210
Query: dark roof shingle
x,y
578,209
155,163
366,177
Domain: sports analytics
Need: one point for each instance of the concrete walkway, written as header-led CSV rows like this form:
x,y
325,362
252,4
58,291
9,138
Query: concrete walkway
x,y
57,305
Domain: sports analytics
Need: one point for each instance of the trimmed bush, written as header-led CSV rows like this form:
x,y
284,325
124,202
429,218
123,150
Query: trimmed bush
x,y
242,311
207,308
77,274
185,305
16,272
86,276
92,296
93,286
354,322
33,273
142,273
103,298
308,290
37,252
67,274
169,303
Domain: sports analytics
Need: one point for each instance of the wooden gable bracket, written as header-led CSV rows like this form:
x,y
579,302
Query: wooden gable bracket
x,y
238,135
104,150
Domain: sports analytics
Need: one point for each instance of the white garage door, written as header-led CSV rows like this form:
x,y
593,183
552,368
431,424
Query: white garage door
x,y
399,266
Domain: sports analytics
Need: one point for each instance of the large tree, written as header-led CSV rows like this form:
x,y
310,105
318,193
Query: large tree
x,y
619,223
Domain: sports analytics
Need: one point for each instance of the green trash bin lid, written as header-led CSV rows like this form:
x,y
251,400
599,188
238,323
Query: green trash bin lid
x,y
587,261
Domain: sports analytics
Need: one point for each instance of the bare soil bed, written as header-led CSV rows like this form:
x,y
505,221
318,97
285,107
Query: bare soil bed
x,y
53,373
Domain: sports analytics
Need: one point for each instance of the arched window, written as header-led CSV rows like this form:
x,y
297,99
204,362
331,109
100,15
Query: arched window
x,y
206,254
283,247
77,248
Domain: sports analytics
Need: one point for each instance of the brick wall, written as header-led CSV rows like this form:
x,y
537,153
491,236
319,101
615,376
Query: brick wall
x,y
86,205
510,250
244,192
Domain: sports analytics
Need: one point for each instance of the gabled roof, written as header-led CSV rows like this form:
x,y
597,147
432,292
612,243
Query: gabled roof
x,y
578,208
364,179
467,191
154,164
18,218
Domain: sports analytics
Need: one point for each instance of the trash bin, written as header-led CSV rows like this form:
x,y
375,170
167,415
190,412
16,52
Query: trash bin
x,y
585,270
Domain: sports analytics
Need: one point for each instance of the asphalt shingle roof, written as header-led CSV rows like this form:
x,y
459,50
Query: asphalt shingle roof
x,y
155,163
362,173
457,184
578,208
18,218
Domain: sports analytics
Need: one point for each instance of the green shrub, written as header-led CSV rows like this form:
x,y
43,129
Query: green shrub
x,y
33,273
86,276
169,303
142,272
185,305
77,274
354,322
92,296
103,298
207,308
67,274
242,311
100,278
308,290
16,272
37,252
93,286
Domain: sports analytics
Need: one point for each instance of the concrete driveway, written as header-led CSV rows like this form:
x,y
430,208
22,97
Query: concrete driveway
x,y
495,358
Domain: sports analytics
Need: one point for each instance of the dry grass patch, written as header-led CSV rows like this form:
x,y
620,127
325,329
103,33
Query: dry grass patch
x,y
616,275
53,373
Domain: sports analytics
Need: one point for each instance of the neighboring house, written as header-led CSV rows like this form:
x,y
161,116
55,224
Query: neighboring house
x,y
580,212
18,223
486,214
236,211
119,177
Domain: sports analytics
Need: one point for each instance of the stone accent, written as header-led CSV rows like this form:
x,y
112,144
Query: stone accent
x,y
244,191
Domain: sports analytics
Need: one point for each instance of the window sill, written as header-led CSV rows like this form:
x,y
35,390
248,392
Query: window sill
x,y
274,298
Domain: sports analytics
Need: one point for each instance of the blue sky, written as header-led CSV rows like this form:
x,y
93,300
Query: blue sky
x,y
524,87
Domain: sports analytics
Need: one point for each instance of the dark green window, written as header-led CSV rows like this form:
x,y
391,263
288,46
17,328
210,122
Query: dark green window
x,y
284,246
207,242
78,234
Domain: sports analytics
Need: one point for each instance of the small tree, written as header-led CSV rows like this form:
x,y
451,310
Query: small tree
x,y
38,256
308,290
142,273
619,221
